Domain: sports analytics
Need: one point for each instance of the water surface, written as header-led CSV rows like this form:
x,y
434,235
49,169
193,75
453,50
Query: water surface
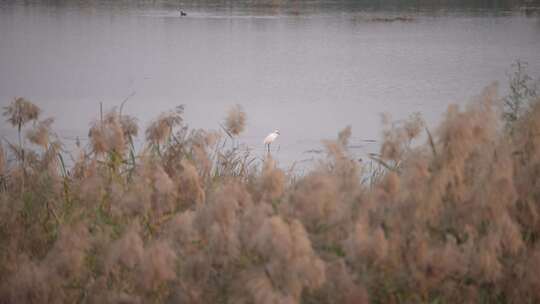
x,y
308,68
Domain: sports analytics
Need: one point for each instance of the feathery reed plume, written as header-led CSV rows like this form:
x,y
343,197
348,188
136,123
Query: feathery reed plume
x,y
39,135
128,251
218,222
201,143
162,182
30,285
158,267
129,126
291,264
190,187
344,136
21,111
398,137
339,287
235,121
413,126
67,256
314,200
370,245
272,180
107,135
161,129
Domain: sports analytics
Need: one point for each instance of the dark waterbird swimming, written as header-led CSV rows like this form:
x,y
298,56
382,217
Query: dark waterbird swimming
x,y
182,13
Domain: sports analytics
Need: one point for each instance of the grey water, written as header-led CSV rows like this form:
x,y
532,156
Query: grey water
x,y
308,68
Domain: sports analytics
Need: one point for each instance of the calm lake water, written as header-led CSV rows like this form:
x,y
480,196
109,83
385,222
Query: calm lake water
x,y
308,68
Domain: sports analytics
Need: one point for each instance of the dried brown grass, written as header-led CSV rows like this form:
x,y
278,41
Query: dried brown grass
x,y
21,111
235,121
190,219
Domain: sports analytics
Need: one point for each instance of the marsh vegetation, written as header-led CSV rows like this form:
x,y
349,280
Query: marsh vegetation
x,y
451,215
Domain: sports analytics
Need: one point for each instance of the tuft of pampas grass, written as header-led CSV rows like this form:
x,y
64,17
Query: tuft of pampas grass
x,y
21,111
448,216
235,122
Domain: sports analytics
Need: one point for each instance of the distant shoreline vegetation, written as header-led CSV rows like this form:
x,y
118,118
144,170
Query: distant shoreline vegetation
x,y
195,218
303,5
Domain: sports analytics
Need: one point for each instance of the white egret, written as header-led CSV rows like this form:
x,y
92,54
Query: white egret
x,y
270,138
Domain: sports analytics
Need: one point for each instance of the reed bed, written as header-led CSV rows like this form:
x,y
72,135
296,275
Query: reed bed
x,y
195,218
